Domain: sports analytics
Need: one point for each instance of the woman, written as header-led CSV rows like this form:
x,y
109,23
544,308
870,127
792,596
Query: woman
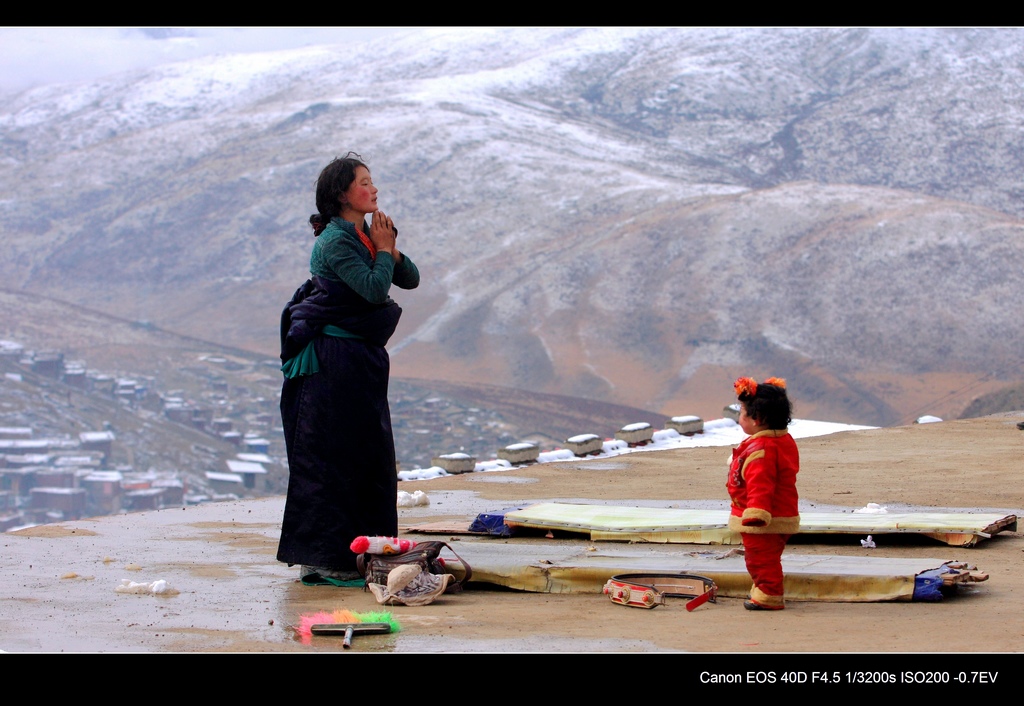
x,y
334,403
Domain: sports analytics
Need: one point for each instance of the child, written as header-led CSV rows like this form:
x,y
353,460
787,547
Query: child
x,y
762,485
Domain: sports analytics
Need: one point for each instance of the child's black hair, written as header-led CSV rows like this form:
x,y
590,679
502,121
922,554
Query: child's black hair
x,y
769,404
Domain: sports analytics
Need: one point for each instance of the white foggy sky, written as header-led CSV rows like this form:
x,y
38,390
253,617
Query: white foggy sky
x,y
34,56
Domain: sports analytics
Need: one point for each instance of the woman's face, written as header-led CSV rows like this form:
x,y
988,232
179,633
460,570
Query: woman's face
x,y
361,195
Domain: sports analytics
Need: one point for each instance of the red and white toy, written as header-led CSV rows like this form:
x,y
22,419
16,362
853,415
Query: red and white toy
x,y
381,545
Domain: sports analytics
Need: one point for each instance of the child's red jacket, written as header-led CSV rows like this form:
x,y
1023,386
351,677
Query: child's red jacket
x,y
762,484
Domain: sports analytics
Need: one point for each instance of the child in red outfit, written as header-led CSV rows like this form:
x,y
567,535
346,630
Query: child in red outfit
x,y
762,485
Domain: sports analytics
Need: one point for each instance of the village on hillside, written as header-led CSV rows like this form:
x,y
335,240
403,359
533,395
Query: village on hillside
x,y
76,442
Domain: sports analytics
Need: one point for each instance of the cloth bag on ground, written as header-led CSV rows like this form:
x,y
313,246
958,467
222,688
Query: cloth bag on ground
x,y
376,568
410,586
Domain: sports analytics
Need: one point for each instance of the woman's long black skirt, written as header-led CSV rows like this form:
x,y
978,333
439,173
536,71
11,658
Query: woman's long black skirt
x,y
342,479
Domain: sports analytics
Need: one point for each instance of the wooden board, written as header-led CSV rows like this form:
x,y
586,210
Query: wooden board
x,y
684,526
545,566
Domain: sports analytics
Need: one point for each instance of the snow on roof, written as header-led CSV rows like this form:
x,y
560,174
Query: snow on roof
x,y
229,477
254,457
244,466
104,477
75,461
96,436
168,483
57,491
29,459
144,492
22,444
16,431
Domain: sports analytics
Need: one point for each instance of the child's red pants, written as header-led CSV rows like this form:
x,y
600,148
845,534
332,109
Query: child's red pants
x,y
763,554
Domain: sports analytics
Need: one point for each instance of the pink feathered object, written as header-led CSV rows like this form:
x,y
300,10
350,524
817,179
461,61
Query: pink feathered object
x,y
381,545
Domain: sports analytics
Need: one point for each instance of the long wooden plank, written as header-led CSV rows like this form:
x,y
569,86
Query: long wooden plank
x,y
675,525
570,567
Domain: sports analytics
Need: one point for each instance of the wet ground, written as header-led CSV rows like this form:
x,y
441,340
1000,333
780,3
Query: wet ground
x,y
57,582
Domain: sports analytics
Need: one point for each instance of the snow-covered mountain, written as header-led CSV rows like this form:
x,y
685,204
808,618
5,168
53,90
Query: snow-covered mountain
x,y
632,215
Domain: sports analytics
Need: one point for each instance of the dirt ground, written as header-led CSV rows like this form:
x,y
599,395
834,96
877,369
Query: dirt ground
x,y
235,597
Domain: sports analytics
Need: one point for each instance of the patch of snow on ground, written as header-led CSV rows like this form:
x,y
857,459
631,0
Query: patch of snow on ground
x,y
422,473
717,432
499,464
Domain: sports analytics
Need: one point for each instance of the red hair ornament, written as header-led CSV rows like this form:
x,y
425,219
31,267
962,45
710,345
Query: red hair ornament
x,y
745,387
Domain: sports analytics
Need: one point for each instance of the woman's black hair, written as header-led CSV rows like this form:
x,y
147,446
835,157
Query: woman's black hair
x,y
769,405
333,181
